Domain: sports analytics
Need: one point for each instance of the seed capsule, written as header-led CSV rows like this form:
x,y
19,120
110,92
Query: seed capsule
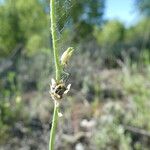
x,y
66,56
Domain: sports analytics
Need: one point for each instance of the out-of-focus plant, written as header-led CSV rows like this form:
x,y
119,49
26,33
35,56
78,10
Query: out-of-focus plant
x,y
135,86
110,37
138,35
143,6
33,71
11,106
80,16
111,34
113,137
19,22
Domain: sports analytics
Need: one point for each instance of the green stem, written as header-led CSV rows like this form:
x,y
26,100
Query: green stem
x,y
57,71
53,128
54,40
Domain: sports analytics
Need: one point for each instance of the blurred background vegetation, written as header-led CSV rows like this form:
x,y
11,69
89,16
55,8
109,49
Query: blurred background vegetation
x,y
108,107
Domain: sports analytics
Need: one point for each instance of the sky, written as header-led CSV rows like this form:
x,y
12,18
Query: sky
x,y
124,10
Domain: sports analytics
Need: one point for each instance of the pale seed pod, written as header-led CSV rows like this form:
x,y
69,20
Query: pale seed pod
x,y
66,56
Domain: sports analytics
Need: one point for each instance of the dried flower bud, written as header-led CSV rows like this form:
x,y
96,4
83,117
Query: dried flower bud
x,y
58,90
66,56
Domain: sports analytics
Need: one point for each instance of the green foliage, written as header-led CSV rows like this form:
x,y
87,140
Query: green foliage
x,y
136,86
11,107
110,38
116,41
33,71
111,34
144,6
145,57
132,110
20,21
139,35
80,15
113,137
27,22
34,44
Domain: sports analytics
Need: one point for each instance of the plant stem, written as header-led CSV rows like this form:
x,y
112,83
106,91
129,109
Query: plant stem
x,y
54,40
53,128
57,71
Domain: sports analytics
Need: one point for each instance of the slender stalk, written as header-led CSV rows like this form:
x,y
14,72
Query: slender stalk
x,y
53,128
54,39
57,71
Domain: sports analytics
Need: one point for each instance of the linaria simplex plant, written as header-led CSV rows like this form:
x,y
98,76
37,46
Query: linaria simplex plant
x,y
57,88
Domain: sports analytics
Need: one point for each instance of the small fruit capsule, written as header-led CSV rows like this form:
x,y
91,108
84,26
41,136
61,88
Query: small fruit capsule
x,y
66,56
